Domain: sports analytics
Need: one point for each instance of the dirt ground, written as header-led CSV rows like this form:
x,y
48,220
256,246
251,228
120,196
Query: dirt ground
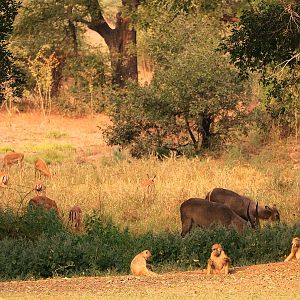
x,y
269,281
32,128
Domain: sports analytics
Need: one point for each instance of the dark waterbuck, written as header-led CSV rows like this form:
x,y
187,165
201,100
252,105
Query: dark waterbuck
x,y
206,213
239,204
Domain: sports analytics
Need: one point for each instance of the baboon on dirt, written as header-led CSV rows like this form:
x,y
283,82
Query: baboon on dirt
x,y
218,261
139,266
295,250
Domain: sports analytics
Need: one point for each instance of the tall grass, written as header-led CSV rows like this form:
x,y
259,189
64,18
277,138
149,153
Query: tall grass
x,y
113,186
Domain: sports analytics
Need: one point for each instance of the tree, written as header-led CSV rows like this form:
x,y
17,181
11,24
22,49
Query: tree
x,y
8,71
266,43
193,101
59,24
121,40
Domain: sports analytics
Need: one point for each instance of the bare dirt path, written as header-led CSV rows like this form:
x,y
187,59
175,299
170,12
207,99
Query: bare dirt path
x,y
267,281
84,133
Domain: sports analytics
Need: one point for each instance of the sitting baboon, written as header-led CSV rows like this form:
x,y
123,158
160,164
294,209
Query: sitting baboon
x,y
139,266
218,261
295,250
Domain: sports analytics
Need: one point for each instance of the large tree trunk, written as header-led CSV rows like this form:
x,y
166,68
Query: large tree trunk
x,y
204,129
121,42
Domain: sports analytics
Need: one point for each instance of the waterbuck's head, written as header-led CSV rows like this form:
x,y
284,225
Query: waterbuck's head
x,y
274,213
255,224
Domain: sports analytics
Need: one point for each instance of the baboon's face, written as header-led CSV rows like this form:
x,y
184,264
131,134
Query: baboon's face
x,y
296,242
146,254
216,250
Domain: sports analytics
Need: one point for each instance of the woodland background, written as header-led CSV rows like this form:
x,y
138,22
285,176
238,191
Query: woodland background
x,y
199,93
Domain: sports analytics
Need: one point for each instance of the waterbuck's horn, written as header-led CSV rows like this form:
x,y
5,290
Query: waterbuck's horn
x,y
248,215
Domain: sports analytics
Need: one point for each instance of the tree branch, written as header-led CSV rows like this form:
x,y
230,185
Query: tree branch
x,y
98,22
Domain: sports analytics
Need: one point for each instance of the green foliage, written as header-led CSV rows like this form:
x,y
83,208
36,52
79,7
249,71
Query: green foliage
x,y
36,244
266,41
30,225
50,152
177,110
8,71
55,134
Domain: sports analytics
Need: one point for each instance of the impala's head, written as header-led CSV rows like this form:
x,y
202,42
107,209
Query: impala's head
x,y
3,179
40,188
216,249
149,180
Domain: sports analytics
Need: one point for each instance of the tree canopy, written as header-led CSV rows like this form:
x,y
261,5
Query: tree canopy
x,y
178,110
266,43
8,71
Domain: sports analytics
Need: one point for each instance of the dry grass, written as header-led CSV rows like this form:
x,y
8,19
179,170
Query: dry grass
x,y
114,187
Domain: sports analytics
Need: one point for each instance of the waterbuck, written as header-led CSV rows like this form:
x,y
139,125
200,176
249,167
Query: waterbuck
x,y
240,203
43,202
206,213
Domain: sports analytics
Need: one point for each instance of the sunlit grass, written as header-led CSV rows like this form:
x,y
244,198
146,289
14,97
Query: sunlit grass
x,y
55,134
113,185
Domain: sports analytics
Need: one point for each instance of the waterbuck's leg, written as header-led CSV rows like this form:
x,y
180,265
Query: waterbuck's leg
x,y
186,226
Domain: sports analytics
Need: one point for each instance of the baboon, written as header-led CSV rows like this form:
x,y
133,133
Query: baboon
x,y
295,250
75,216
218,261
41,168
139,266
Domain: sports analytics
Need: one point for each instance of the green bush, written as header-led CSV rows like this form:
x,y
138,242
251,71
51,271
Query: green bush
x,y
36,244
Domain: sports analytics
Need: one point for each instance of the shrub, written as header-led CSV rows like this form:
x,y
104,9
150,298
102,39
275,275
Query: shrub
x,y
40,246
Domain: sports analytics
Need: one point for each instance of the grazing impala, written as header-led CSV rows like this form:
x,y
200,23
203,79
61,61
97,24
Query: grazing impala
x,y
11,158
75,216
3,179
41,168
43,202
